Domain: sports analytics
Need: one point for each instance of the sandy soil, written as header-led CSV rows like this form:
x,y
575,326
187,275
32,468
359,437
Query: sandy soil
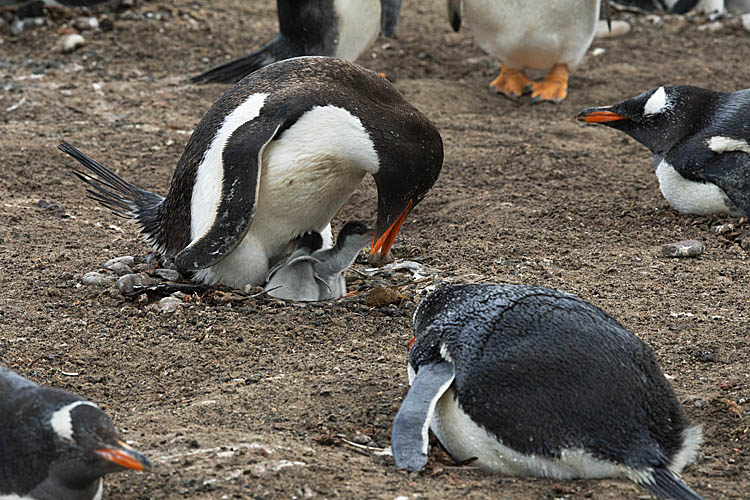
x,y
236,397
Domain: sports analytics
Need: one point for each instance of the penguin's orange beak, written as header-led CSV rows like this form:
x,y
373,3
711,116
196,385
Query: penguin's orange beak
x,y
599,115
411,343
385,242
124,456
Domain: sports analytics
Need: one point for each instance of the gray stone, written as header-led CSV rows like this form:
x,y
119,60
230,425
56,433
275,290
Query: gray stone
x,y
128,260
686,248
619,28
120,268
168,274
97,279
86,23
169,304
126,284
69,43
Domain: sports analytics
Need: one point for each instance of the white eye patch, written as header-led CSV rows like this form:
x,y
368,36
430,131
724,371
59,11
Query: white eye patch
x,y
61,421
656,103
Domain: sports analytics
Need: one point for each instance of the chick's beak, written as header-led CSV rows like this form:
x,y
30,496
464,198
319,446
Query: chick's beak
x,y
385,242
599,115
124,456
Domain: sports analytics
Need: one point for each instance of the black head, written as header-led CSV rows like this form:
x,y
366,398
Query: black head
x,y
86,444
354,228
658,118
410,163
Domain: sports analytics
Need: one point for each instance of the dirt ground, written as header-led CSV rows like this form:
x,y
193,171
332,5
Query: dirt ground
x,y
237,397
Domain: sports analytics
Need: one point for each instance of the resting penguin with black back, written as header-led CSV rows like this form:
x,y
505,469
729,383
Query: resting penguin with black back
x,y
551,36
700,140
335,28
313,273
275,157
55,445
528,381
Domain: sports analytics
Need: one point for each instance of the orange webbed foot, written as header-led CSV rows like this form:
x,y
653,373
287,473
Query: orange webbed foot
x,y
510,82
554,86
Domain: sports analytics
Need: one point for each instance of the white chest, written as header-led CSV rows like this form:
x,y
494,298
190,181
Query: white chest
x,y
358,26
691,197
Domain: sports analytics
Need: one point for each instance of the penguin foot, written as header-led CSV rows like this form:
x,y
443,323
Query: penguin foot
x,y
554,87
512,83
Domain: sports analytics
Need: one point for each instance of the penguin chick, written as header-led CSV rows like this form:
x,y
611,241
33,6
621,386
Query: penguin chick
x,y
275,157
318,274
336,28
529,381
700,140
55,445
550,36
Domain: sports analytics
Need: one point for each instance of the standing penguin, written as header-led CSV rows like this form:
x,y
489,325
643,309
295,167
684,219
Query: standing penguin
x,y
550,36
336,28
529,381
700,140
55,445
276,157
313,273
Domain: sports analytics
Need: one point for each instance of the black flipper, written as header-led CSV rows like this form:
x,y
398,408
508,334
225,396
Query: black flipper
x,y
731,172
409,438
668,485
117,194
278,49
241,164
454,14
683,6
389,10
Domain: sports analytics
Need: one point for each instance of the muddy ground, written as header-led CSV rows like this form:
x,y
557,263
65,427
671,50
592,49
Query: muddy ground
x,y
236,397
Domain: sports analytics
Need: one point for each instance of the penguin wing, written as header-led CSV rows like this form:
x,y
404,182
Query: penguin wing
x,y
389,10
292,260
241,162
731,172
666,484
409,438
454,14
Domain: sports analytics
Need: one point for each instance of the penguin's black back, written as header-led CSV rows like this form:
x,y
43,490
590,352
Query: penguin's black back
x,y
544,371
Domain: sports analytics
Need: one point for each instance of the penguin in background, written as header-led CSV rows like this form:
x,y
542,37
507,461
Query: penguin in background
x,y
675,6
532,382
551,36
335,28
313,273
274,158
700,140
55,445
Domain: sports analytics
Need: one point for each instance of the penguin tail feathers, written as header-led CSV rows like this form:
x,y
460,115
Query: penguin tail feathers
x,y
116,194
233,71
666,484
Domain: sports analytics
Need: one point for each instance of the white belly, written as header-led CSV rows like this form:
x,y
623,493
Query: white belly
x,y
691,197
307,175
531,33
464,439
359,26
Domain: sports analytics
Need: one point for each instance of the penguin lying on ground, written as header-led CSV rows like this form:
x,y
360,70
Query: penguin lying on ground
x,y
312,273
551,36
276,157
54,445
700,140
529,381
336,28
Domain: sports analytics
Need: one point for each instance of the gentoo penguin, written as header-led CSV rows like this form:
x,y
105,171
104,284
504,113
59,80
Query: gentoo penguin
x,y
313,273
550,36
55,445
528,381
676,6
275,157
700,140
336,28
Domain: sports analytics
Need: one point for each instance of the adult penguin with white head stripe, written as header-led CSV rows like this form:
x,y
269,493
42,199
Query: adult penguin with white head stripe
x,y
276,157
55,445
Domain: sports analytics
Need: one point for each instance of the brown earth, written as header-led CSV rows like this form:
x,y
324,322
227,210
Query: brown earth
x,y
256,398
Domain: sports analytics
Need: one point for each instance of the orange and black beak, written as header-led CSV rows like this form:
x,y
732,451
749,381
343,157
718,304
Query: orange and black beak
x,y
125,456
599,115
411,343
386,238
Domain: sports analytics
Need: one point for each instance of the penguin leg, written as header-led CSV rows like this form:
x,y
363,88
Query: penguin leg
x,y
554,86
510,82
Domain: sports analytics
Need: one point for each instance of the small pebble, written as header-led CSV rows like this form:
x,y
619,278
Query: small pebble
x,y
711,27
97,279
746,21
619,28
120,268
69,43
168,274
686,248
169,304
86,23
722,228
128,260
126,284
381,296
